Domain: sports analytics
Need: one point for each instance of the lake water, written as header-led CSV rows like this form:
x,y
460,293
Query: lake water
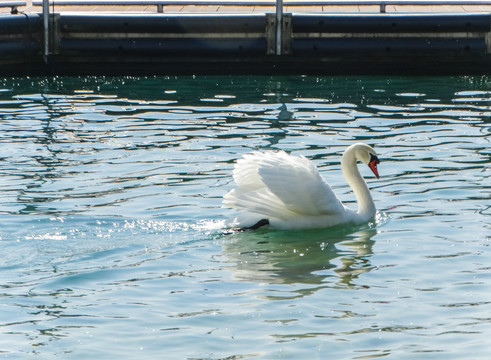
x,y
111,205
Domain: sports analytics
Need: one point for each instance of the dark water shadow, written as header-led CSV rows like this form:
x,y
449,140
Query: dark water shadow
x,y
336,255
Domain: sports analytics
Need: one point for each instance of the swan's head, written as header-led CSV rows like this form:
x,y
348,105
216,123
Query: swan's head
x,y
367,155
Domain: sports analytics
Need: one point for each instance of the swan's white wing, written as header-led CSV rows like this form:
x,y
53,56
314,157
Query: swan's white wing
x,y
251,195
261,202
298,184
277,185
246,171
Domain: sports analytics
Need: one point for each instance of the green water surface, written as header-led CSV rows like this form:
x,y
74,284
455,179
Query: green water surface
x,y
110,207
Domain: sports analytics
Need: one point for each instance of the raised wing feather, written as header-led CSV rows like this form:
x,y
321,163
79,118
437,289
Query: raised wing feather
x,y
251,194
260,201
246,171
298,184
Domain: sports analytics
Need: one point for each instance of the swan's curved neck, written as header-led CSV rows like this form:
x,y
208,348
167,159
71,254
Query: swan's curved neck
x,y
366,207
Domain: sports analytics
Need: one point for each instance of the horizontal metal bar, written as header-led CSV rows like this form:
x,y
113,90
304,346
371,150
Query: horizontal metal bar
x,y
458,35
228,47
390,46
393,23
19,24
157,2
161,36
12,3
262,2
207,23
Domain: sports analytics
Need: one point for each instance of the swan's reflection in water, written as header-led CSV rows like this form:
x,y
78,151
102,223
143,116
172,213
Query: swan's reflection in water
x,y
328,256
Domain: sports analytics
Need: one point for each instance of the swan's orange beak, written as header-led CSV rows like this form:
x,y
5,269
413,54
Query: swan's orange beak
x,y
374,161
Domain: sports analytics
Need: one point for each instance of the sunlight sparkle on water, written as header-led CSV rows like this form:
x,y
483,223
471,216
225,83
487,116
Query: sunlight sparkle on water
x,y
112,234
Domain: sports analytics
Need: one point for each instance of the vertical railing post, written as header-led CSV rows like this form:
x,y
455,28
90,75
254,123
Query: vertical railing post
x,y
279,26
46,29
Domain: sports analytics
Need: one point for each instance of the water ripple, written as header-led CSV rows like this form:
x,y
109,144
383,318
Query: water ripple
x,y
111,208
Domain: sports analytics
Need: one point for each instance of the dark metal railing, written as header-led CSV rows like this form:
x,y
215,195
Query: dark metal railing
x,y
13,5
278,3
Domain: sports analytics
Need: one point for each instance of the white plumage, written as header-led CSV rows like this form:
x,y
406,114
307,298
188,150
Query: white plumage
x,y
290,193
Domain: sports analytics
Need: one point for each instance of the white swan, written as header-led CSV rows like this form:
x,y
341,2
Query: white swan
x,y
287,192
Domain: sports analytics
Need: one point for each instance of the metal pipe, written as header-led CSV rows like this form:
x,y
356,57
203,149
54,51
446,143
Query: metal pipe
x,y
265,2
46,29
279,26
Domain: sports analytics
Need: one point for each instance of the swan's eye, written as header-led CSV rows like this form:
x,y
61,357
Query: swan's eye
x,y
374,160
